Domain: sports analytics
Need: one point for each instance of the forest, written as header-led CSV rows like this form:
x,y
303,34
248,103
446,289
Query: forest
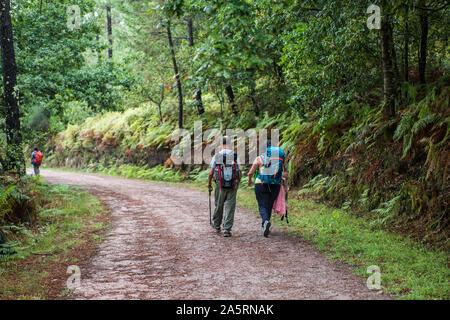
x,y
359,91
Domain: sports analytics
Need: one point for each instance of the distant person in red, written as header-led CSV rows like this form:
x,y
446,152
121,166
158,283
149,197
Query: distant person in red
x,y
36,160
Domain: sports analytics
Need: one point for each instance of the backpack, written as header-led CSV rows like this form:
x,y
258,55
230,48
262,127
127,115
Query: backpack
x,y
272,171
226,172
38,158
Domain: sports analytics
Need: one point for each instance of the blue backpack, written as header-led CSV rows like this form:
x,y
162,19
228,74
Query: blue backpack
x,y
272,171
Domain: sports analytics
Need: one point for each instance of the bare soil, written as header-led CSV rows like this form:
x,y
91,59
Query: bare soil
x,y
161,246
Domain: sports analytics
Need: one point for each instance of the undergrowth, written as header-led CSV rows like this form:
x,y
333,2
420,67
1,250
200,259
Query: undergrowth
x,y
66,221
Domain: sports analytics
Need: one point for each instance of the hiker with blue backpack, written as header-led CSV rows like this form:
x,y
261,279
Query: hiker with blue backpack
x,y
227,174
270,172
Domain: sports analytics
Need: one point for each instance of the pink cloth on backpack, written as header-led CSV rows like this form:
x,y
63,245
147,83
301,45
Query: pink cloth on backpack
x,y
279,206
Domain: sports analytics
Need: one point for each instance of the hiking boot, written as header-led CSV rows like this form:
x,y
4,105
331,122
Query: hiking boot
x,y
266,228
227,233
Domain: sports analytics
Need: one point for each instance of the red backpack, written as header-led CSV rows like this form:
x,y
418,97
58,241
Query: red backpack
x,y
38,158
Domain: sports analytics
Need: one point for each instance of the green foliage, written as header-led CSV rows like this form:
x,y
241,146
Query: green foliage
x,y
420,116
65,216
158,173
5,204
55,72
127,137
408,270
374,177
17,199
326,56
387,211
234,47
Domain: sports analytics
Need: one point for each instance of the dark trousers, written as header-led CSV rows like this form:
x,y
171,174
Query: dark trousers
x,y
266,194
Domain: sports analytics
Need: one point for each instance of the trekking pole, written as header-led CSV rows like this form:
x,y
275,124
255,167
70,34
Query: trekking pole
x,y
286,192
209,190
286,200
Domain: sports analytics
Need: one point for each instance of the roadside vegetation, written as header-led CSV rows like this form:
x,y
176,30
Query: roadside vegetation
x,y
47,228
409,270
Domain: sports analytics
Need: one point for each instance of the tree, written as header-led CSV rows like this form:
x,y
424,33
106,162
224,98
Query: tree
x,y
426,10
58,67
233,47
198,92
254,102
406,45
109,30
388,60
172,9
423,18
177,76
325,49
231,99
14,156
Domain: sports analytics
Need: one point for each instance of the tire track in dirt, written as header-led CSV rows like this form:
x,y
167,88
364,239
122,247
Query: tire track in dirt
x,y
161,246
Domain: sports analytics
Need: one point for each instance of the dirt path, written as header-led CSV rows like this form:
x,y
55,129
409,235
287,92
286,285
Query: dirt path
x,y
161,246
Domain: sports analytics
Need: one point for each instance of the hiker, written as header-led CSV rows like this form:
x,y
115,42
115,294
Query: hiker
x,y
270,172
227,174
36,160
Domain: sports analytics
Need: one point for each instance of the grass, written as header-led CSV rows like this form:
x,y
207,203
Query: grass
x,y
409,270
70,222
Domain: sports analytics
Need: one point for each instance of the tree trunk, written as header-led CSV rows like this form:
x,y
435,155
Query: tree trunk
x,y
97,39
406,50
109,30
161,101
198,93
190,31
230,94
406,55
394,57
177,76
14,152
387,57
423,43
444,45
199,102
254,103
279,72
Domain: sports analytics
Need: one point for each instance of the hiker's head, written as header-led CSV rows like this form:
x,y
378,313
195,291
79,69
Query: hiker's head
x,y
226,142
36,149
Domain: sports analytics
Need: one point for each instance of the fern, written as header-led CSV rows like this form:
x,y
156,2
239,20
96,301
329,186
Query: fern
x,y
424,122
417,119
5,204
404,127
387,210
315,185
